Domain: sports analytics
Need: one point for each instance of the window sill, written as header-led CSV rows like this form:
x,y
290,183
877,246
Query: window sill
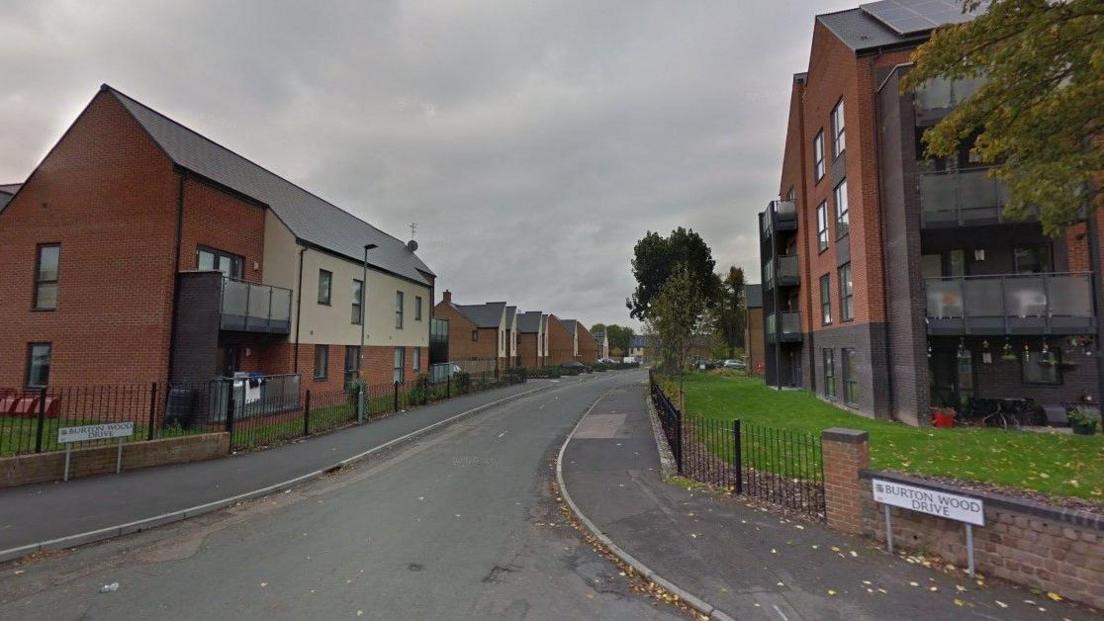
x,y
824,249
847,234
43,310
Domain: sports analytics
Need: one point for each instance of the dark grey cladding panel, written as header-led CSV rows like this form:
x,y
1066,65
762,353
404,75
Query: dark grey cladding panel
x,y
843,250
839,168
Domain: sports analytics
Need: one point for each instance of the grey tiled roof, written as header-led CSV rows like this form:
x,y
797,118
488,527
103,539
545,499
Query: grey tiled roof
x,y
483,315
510,312
753,296
6,192
569,325
529,322
309,217
640,340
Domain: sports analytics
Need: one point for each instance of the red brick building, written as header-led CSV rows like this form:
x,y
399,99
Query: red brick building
x,y
562,344
588,347
140,251
892,282
477,332
532,339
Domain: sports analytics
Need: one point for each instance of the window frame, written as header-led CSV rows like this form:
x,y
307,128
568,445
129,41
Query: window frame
x,y
235,260
475,335
328,277
398,373
826,300
30,360
843,216
321,374
850,383
39,282
400,304
357,307
839,129
352,353
417,308
822,226
828,360
416,360
846,292
819,168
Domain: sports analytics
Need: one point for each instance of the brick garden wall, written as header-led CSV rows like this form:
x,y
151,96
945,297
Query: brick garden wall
x,y
27,469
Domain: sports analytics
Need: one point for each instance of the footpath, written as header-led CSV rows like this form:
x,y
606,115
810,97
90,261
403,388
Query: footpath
x,y
94,508
746,563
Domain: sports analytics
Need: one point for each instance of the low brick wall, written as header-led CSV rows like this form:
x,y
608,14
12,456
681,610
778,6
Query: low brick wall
x,y
1029,543
26,469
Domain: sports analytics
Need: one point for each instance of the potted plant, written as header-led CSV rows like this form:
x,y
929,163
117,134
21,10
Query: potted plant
x,y
1083,420
943,417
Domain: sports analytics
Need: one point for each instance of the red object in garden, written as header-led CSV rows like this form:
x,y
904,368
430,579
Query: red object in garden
x,y
943,417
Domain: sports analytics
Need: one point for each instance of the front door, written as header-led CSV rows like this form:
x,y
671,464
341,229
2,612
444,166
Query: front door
x,y
951,379
229,360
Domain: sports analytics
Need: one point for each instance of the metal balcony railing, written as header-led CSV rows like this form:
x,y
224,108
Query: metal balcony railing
x,y
249,307
779,215
961,198
790,327
937,97
1049,303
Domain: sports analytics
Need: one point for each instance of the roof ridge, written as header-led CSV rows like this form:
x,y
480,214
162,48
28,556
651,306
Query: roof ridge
x,y
119,93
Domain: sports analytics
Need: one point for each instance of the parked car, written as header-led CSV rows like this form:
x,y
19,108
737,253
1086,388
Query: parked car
x,y
573,364
733,363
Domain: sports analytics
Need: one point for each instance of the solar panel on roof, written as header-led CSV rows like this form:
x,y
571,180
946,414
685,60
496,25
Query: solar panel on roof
x,y
906,17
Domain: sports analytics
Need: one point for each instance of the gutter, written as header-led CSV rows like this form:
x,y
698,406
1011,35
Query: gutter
x,y
175,269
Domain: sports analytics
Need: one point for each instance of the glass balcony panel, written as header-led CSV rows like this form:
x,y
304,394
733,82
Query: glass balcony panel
x,y
983,297
791,323
281,304
944,298
259,301
1025,297
1070,295
787,266
234,294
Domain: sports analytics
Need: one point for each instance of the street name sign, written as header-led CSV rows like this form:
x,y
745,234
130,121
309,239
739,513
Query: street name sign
x,y
931,501
95,432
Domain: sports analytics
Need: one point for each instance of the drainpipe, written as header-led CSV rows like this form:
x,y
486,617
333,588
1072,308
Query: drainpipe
x,y
298,309
1098,298
175,269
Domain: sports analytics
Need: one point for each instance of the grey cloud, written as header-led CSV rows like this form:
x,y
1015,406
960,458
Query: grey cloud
x,y
532,142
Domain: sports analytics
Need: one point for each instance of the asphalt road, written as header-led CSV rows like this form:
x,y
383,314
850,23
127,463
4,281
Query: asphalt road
x,y
459,524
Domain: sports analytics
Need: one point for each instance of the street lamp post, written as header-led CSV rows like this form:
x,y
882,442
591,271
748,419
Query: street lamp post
x,y
363,323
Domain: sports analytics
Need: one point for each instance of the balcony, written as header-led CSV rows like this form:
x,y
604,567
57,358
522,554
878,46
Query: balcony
x,y
936,98
1057,303
248,307
791,328
782,272
961,198
779,216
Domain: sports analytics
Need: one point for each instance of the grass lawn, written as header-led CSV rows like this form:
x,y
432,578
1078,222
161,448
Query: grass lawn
x,y
1059,464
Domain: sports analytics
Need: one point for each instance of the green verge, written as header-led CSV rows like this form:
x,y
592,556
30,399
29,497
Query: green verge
x,y
1050,463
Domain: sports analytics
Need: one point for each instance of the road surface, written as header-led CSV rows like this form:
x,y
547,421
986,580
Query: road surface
x,y
459,524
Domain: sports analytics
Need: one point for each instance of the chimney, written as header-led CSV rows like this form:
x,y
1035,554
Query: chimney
x,y
448,297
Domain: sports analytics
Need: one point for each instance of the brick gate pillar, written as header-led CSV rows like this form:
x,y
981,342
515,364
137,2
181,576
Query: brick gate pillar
x,y
846,452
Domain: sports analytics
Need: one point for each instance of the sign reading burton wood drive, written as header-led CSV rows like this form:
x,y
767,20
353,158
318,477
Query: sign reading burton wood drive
x,y
930,501
94,432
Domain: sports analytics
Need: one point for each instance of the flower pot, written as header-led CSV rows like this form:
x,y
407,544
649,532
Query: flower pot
x,y
943,419
1084,429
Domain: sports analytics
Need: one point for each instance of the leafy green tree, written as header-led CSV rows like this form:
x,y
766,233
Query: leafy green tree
x,y
1039,115
730,312
620,337
654,258
676,318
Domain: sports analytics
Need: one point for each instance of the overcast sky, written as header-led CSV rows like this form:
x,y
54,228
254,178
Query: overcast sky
x,y
532,142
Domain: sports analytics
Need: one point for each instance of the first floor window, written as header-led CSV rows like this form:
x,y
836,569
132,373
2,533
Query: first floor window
x,y
225,262
398,309
38,364
358,301
321,361
843,217
417,308
46,276
850,381
416,362
352,365
847,293
839,132
818,155
829,373
1040,368
400,364
475,335
825,300
325,286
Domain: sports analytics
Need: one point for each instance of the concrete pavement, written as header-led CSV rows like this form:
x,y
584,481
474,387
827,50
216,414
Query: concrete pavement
x,y
459,523
752,564
37,513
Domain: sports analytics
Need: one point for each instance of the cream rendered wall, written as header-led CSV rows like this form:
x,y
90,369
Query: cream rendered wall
x,y
333,324
502,334
513,334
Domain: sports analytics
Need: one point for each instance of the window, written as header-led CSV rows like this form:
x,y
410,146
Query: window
x,y
46,276
1040,368
818,155
850,382
839,137
1033,259
399,309
847,293
829,372
325,286
417,308
475,336
38,364
212,259
822,226
825,300
321,361
416,363
352,366
358,301
400,363
843,221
